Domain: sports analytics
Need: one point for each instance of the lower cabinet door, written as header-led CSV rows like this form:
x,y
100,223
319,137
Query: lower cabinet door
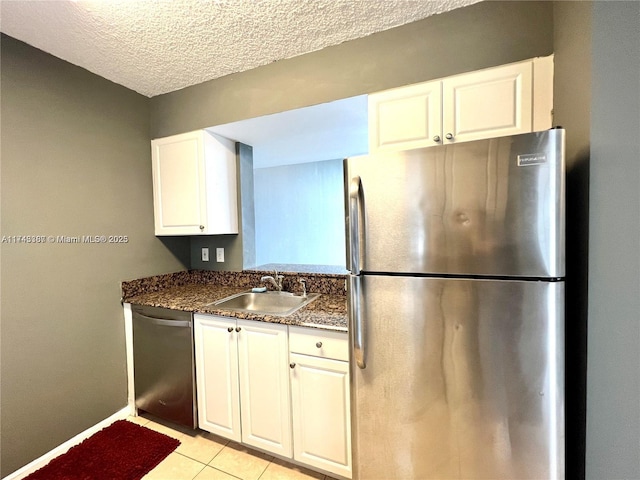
x,y
263,351
321,408
216,355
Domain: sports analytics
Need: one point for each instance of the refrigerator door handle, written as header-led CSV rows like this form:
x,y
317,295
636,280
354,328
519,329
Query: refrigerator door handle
x,y
355,313
355,215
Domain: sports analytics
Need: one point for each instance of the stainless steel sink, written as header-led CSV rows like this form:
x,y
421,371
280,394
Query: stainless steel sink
x,y
280,304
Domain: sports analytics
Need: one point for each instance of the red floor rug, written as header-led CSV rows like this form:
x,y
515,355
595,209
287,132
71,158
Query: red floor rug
x,y
121,451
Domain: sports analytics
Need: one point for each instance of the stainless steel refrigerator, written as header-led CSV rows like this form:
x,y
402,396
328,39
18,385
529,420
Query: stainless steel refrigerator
x,y
456,310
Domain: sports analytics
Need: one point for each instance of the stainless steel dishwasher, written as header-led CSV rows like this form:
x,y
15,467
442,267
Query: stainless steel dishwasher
x,y
163,364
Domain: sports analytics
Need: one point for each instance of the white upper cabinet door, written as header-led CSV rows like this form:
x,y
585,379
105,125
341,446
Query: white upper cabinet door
x,y
216,356
407,117
500,101
488,103
194,184
179,184
264,386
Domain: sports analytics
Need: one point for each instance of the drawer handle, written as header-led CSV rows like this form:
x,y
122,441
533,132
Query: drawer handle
x,y
319,344
292,365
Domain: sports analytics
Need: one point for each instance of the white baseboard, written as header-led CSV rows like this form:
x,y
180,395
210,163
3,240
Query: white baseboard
x,y
60,449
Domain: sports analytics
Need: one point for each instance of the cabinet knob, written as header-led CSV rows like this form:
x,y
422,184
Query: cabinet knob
x,y
292,365
238,329
230,329
449,136
201,227
437,139
319,344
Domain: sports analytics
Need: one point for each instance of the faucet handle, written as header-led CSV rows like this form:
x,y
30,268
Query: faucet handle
x,y
278,280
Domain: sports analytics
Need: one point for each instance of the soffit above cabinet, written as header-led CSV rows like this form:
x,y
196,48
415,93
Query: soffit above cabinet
x,y
327,131
156,47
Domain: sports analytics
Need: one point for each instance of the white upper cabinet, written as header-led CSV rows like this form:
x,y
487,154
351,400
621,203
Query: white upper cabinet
x,y
488,103
406,117
506,100
194,184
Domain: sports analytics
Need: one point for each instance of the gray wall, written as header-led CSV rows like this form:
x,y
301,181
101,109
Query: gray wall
x,y
597,99
76,160
300,219
572,106
475,37
613,379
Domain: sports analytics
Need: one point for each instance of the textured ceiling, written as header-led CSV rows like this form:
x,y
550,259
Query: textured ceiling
x,y
158,46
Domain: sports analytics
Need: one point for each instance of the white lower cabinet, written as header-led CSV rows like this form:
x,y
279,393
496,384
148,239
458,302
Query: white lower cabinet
x,y
320,399
243,381
284,390
265,404
218,390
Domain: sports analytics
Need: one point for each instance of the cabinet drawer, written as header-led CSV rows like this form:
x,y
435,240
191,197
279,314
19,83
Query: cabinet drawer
x,y
319,343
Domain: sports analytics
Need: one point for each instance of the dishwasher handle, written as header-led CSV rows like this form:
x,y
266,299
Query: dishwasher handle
x,y
164,322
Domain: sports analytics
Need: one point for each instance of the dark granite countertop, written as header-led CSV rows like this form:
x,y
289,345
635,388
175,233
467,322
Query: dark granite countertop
x,y
194,291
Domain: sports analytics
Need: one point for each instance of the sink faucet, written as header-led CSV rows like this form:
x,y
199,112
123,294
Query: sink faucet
x,y
276,282
303,281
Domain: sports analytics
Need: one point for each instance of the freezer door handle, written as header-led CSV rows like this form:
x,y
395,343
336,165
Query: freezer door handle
x,y
355,217
357,325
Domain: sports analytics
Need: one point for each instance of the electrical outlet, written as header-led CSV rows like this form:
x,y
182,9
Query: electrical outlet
x,y
219,254
205,254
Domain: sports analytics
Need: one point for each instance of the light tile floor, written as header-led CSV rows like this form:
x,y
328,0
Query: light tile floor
x,y
204,456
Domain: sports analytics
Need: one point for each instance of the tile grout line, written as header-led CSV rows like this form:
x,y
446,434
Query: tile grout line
x,y
265,469
205,465
201,470
193,459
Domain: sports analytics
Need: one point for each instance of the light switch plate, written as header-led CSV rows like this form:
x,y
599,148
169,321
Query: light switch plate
x,y
219,254
205,254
